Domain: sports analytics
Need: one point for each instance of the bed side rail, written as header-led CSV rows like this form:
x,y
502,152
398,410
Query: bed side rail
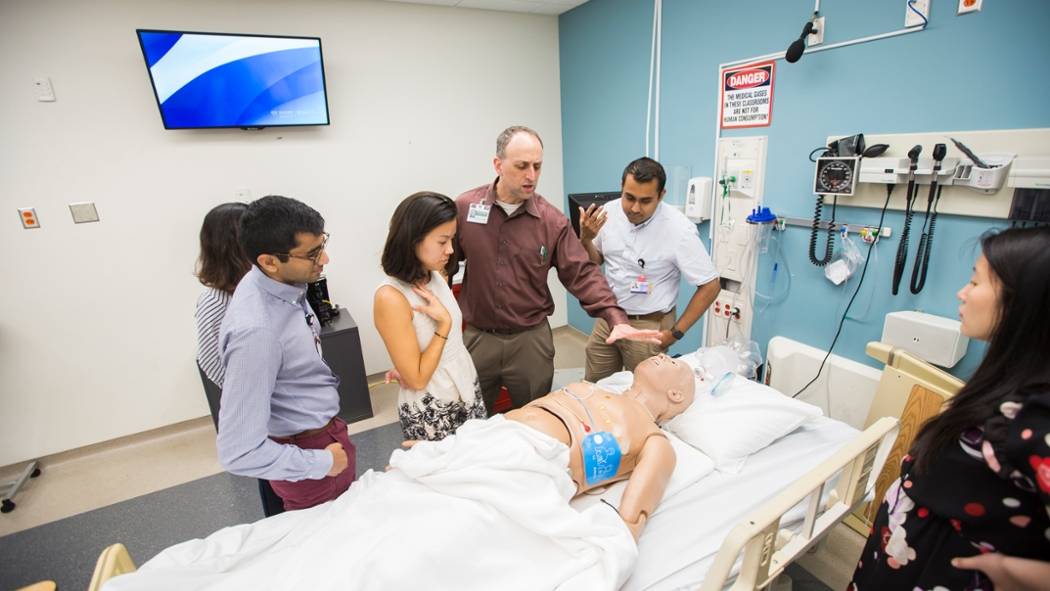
x,y
766,548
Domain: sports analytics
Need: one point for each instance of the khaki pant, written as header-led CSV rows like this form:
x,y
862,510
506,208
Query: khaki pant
x,y
604,360
523,362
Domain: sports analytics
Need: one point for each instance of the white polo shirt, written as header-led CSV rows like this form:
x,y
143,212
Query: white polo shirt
x,y
668,245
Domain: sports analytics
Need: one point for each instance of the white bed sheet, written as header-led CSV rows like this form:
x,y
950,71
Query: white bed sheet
x,y
683,536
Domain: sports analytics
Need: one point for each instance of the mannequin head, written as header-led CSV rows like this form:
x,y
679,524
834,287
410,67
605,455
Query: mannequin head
x,y
664,385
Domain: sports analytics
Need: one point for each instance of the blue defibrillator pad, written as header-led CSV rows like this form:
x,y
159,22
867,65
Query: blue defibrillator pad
x,y
601,457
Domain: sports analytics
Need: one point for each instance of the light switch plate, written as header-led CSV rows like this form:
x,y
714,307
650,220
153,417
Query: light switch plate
x,y
45,93
968,6
28,217
83,212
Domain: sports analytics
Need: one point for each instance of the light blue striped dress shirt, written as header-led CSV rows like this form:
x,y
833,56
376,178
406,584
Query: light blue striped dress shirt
x,y
276,382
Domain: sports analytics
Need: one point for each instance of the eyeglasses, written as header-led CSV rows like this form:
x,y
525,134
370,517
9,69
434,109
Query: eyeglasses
x,y
314,256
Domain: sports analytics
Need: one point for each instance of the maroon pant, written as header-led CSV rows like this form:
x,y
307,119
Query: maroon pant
x,y
307,493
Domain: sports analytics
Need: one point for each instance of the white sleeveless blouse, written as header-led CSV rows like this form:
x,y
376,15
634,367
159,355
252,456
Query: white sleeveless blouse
x,y
455,377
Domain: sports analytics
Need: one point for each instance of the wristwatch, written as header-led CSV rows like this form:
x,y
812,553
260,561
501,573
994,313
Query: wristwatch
x,y
677,334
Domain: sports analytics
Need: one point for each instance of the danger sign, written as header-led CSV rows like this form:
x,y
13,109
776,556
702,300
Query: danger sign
x,y
747,95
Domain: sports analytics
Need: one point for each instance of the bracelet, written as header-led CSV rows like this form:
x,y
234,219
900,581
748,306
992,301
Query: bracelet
x,y
437,334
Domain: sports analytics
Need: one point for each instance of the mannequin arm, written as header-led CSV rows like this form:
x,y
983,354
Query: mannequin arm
x,y
645,488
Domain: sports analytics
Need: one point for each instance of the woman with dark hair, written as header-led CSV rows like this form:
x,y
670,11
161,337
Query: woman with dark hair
x,y
970,509
420,321
220,266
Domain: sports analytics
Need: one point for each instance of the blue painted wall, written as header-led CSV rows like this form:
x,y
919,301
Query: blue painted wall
x,y
987,70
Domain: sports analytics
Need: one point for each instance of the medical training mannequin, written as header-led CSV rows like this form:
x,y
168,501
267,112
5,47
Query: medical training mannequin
x,y
582,416
498,489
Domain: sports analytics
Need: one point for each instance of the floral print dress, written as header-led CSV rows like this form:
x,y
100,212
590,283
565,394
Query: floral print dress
x,y
988,493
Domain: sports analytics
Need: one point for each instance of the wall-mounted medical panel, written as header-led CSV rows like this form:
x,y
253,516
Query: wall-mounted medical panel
x,y
737,189
1011,157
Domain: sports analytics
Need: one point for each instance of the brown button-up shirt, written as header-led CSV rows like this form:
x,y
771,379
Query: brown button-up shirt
x,y
507,260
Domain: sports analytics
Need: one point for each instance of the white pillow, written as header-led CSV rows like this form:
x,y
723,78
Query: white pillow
x,y
741,418
690,465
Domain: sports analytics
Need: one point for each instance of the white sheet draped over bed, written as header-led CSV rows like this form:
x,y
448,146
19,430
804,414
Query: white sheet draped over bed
x,y
486,508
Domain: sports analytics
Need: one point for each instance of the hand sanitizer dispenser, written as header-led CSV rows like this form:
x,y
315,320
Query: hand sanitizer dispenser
x,y
698,199
931,338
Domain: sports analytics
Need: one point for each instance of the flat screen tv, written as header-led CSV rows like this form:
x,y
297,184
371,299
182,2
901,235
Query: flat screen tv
x,y
216,80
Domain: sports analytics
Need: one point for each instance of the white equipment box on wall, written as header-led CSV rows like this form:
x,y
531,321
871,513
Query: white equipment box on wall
x,y
932,338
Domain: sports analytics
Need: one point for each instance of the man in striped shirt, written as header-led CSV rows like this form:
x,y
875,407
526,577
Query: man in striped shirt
x,y
278,416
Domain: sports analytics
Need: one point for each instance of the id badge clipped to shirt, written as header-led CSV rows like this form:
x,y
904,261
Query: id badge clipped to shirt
x,y
641,286
601,457
316,333
478,213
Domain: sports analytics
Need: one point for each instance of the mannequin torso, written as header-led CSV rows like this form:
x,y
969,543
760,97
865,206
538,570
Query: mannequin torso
x,y
579,410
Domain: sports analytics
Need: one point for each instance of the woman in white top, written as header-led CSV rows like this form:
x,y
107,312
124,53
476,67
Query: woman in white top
x,y
420,321
219,268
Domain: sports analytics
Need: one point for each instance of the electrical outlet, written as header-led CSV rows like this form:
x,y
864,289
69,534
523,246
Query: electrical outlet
x,y
968,6
817,38
871,234
28,217
911,19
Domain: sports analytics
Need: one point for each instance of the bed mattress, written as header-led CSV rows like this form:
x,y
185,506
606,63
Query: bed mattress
x,y
683,536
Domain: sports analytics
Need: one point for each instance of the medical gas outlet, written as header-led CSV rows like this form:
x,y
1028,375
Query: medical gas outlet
x,y
742,175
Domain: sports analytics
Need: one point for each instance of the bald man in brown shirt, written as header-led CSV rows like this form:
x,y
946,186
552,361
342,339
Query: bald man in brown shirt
x,y
510,237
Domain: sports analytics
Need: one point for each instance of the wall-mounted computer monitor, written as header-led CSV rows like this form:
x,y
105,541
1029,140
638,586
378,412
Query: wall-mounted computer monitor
x,y
216,80
584,200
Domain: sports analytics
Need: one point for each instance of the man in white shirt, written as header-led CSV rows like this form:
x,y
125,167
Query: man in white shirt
x,y
646,247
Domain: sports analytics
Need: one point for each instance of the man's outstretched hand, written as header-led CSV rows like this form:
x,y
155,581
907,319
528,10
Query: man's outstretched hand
x,y
626,331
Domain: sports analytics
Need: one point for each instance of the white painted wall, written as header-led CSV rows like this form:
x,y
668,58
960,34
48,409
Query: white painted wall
x,y
97,336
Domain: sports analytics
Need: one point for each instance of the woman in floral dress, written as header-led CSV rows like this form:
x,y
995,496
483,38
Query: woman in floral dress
x,y
420,321
970,508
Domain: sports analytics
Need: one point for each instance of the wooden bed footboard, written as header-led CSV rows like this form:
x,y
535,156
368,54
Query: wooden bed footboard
x,y
767,549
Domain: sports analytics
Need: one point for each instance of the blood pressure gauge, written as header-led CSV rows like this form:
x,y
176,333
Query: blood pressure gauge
x,y
836,175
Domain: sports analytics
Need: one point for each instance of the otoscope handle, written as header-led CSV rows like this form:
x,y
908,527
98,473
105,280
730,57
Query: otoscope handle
x,y
913,155
939,152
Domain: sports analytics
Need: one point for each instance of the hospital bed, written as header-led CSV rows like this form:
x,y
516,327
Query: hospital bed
x,y
741,530
716,530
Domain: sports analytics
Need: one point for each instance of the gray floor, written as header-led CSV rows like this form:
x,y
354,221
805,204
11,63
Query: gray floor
x,y
65,551
801,580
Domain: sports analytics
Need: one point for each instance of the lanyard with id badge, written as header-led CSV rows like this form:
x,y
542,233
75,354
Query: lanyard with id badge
x,y
479,213
601,452
641,285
